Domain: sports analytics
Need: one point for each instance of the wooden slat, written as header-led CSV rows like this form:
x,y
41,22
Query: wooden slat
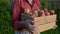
x,y
50,18
44,27
45,19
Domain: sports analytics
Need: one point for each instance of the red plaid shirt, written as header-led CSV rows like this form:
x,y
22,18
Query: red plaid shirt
x,y
18,7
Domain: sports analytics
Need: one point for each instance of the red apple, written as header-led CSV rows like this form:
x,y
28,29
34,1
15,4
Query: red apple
x,y
47,13
41,13
34,15
52,12
45,10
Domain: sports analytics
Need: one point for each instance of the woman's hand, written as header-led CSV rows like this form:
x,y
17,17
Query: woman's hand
x,y
28,25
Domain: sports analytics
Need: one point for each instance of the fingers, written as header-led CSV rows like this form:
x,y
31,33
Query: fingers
x,y
31,22
29,25
31,28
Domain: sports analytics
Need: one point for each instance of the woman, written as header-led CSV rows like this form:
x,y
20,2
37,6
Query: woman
x,y
18,7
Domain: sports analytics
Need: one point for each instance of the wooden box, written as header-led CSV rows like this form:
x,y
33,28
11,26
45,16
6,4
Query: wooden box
x,y
42,23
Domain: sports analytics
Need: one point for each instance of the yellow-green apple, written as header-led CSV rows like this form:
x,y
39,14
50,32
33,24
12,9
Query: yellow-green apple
x,y
26,11
35,12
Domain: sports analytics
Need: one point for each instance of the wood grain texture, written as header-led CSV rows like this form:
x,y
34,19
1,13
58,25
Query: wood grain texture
x,y
42,23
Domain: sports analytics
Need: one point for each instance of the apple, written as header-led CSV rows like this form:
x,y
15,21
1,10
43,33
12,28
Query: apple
x,y
45,10
26,11
41,13
34,15
52,12
47,13
35,12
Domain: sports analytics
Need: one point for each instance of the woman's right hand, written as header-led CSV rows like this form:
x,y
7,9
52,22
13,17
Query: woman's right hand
x,y
28,25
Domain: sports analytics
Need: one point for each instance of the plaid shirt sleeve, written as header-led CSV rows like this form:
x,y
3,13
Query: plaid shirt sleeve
x,y
15,14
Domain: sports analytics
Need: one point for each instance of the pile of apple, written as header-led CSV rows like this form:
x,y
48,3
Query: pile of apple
x,y
39,13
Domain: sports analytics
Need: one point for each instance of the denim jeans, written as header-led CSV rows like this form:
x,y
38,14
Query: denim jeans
x,y
24,32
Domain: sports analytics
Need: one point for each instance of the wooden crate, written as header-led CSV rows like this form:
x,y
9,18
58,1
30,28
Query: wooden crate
x,y
42,23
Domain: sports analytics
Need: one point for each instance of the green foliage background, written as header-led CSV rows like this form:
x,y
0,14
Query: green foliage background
x,y
5,19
